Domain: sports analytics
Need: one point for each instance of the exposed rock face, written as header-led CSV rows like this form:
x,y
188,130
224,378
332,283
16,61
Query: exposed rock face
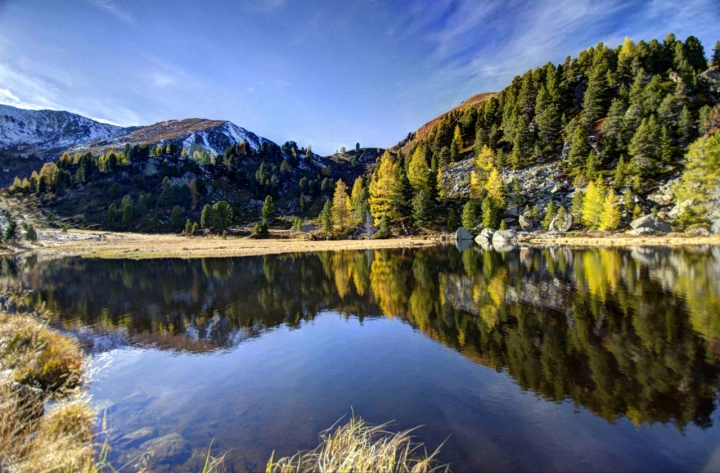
x,y
702,231
503,238
677,211
526,223
485,236
463,234
651,222
714,210
170,449
710,81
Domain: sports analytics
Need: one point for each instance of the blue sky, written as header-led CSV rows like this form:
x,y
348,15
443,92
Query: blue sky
x,y
327,73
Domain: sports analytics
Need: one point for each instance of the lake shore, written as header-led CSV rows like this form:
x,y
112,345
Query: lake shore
x,y
116,245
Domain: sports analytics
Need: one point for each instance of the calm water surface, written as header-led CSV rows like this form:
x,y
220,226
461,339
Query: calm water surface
x,y
534,360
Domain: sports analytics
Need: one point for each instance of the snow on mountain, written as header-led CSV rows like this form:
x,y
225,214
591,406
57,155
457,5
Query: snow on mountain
x,y
215,135
46,132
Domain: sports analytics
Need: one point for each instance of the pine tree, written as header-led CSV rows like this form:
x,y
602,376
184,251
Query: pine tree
x,y
666,150
593,204
11,231
421,209
454,151
577,203
685,126
516,157
489,213
715,58
452,221
470,214
358,200
579,148
547,118
127,215
268,209
176,216
591,166
341,207
326,218
549,216
458,138
222,215
188,226
594,98
645,141
206,217
610,215
620,173
111,215
561,215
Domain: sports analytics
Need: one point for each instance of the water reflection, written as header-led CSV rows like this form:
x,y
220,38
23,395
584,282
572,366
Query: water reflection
x,y
624,333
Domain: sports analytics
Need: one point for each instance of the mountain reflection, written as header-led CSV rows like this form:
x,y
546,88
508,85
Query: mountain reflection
x,y
624,333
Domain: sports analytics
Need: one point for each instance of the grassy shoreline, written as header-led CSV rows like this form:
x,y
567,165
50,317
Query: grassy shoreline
x,y
53,243
37,364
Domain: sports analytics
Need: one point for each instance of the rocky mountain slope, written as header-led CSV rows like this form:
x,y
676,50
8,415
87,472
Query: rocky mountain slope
x,y
47,132
215,135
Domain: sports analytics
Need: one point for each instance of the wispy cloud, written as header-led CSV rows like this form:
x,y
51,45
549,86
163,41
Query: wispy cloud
x,y
9,98
161,80
111,7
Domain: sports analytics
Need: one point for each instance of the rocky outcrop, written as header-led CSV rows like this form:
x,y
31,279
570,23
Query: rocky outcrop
x,y
526,223
502,238
463,234
651,222
485,236
642,231
710,81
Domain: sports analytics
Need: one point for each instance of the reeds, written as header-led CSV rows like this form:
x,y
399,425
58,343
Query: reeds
x,y
360,447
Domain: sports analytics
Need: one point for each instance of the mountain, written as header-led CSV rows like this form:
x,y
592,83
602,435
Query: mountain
x,y
47,132
215,135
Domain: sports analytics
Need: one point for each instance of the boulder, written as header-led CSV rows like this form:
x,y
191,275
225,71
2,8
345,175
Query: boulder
x,y
526,223
137,438
699,231
651,222
678,210
710,80
642,231
485,236
502,238
172,449
561,226
462,233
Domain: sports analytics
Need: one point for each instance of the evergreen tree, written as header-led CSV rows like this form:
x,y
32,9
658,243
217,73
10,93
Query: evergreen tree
x,y
269,211
578,201
594,98
127,215
326,218
715,58
646,140
454,151
666,150
579,148
452,221
206,217
341,207
561,215
222,215
489,213
421,209
176,216
11,231
549,216
470,213
111,215
685,126
387,189
591,166
610,215
547,118
620,173
188,225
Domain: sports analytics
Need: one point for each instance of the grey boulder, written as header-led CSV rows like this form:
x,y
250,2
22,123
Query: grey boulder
x,y
485,236
651,222
462,233
503,238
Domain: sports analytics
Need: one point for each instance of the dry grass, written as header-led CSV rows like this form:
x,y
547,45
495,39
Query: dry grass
x,y
625,240
144,246
38,363
360,447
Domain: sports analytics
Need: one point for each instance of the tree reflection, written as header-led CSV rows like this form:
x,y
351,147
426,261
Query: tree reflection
x,y
624,333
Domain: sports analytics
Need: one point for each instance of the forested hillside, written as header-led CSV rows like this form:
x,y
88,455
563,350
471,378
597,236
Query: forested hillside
x,y
592,143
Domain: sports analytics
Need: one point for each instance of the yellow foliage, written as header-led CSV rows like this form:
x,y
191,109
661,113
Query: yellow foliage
x,y
593,204
418,172
610,216
496,188
341,207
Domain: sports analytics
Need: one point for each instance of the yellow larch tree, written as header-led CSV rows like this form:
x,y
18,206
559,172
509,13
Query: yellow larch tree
x,y
341,207
418,172
610,216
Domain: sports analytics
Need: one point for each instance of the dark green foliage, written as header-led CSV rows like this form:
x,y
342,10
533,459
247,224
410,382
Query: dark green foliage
x,y
11,231
470,215
490,214
269,210
421,209
176,216
261,229
453,222
326,218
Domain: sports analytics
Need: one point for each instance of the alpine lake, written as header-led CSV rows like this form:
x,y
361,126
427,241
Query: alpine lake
x,y
540,359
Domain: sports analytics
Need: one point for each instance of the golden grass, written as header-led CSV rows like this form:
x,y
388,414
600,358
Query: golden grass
x,y
38,363
360,447
625,240
144,246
